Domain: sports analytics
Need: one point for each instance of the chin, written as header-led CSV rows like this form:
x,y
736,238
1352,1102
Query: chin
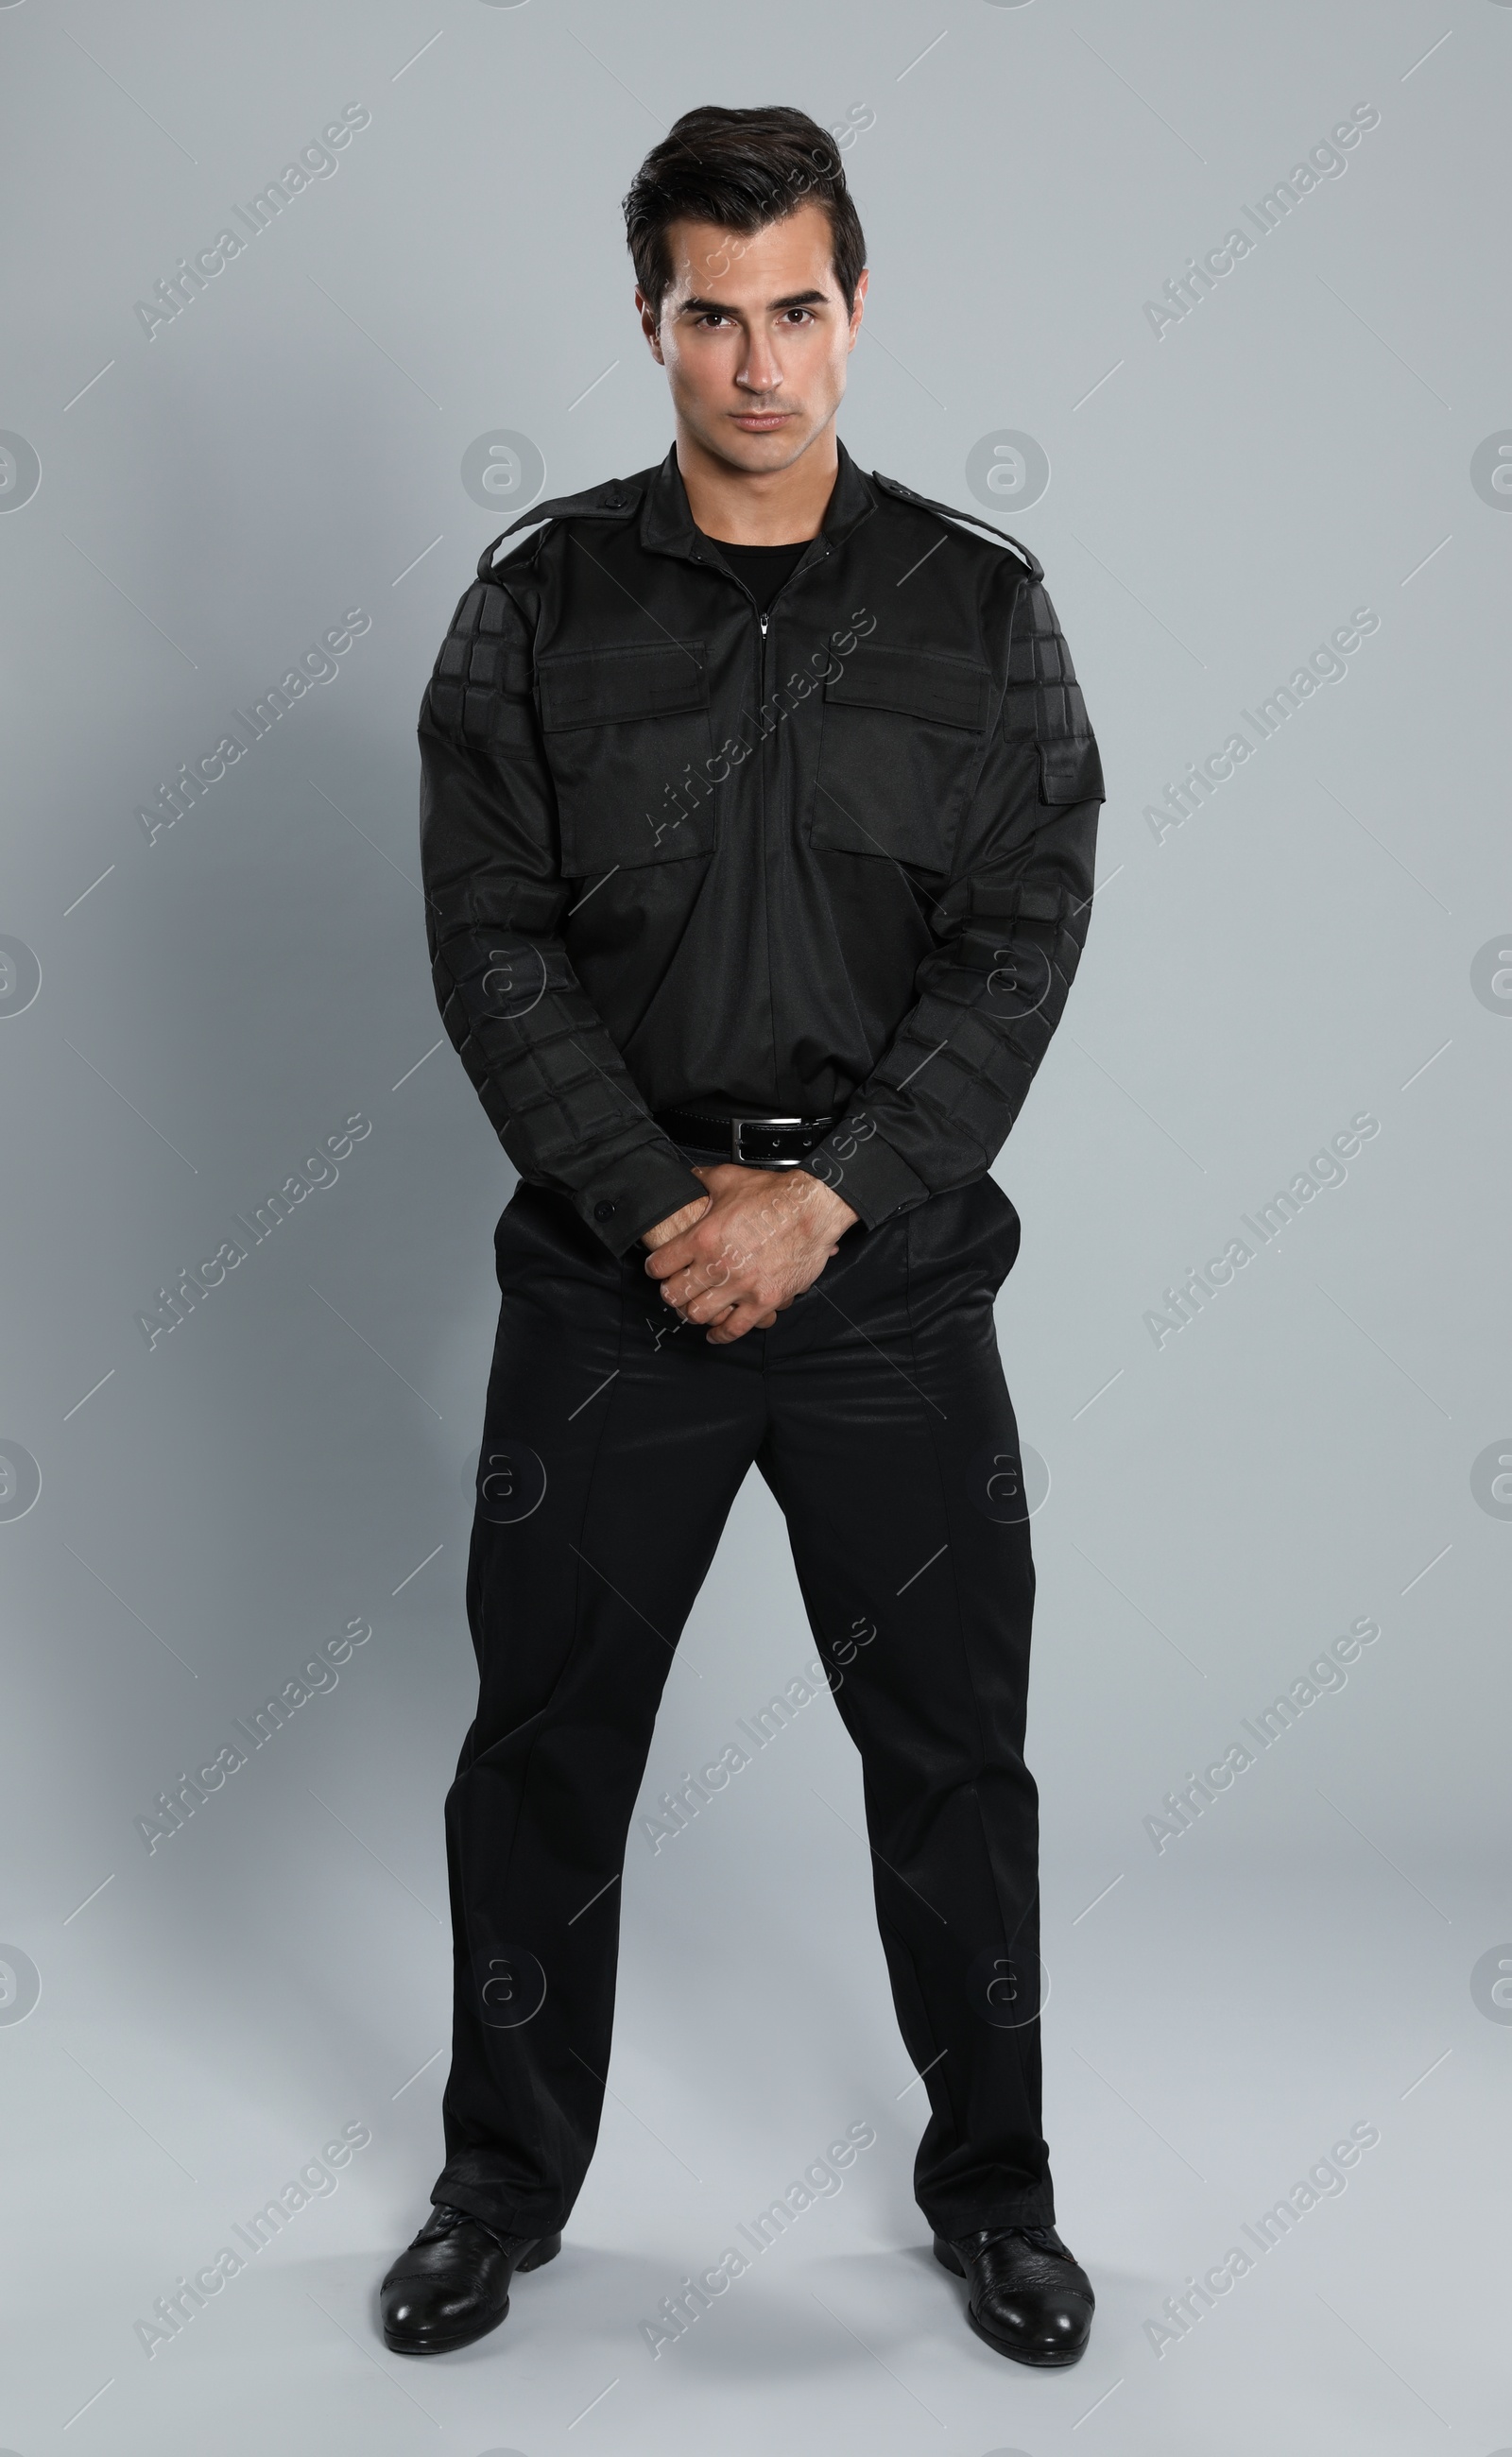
x,y
775,452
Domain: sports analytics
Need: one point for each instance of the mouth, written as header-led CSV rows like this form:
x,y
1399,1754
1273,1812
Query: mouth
x,y
762,422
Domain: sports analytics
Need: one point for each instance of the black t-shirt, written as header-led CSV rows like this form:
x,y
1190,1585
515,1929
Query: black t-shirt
x,y
763,568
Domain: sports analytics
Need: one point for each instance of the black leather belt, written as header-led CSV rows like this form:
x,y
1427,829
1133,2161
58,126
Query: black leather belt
x,y
756,1142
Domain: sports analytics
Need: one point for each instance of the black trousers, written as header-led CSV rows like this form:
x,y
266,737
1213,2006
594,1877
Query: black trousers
x,y
616,1440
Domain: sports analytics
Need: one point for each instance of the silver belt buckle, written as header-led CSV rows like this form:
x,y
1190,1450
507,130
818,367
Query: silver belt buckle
x,y
738,1154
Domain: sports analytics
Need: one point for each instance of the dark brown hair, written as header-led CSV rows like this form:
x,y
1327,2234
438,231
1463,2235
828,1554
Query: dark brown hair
x,y
742,169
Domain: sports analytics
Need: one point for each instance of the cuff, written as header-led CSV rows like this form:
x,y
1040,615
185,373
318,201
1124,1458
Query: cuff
x,y
874,1179
644,1188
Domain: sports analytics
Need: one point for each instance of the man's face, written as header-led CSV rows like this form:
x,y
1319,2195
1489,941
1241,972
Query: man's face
x,y
755,335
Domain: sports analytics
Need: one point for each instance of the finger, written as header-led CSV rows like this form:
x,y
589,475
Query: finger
x,y
705,1303
732,1326
713,1291
708,1309
674,1256
741,1320
680,1253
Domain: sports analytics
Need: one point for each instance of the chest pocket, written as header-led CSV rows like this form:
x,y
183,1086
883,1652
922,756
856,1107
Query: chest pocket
x,y
622,728
902,739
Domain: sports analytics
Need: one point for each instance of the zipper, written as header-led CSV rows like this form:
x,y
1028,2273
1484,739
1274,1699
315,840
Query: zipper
x,y
763,620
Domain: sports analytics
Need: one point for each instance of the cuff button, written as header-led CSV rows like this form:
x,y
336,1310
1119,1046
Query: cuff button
x,y
603,1210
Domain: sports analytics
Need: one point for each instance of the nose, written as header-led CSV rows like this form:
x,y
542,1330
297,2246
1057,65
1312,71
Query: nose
x,y
761,370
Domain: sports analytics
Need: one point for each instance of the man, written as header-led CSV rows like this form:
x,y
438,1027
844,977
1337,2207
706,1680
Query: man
x,y
759,813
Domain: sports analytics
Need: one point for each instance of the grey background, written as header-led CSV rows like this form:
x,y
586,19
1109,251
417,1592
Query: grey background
x,y
298,1452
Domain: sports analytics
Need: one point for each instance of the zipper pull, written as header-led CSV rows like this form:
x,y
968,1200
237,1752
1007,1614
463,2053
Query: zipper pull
x,y
763,627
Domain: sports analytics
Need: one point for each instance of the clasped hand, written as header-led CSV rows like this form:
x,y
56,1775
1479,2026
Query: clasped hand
x,y
737,1258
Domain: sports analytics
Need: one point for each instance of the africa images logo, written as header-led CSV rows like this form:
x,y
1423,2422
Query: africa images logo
x,y
317,163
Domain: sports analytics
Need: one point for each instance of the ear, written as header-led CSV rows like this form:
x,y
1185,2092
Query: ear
x,y
649,326
863,279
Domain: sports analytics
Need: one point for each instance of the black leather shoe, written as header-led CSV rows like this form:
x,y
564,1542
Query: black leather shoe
x,y
1026,2296
452,2283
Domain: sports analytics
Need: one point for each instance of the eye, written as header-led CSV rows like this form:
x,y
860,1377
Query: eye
x,y
797,316
711,317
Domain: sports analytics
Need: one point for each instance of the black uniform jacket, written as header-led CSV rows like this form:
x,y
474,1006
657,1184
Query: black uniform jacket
x,y
678,856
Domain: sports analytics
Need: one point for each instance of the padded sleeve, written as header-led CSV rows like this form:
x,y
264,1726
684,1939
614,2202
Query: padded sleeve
x,y
552,1082
1011,930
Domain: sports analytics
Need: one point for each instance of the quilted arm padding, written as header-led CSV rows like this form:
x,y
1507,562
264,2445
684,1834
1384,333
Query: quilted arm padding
x,y
1010,929
552,1082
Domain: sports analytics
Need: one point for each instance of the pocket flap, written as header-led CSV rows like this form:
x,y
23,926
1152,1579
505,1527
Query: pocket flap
x,y
1070,770
608,686
943,690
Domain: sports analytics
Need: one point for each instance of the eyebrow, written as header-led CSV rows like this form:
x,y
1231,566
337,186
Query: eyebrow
x,y
721,306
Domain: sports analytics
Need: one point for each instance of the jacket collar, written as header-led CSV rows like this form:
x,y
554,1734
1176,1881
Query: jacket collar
x,y
667,524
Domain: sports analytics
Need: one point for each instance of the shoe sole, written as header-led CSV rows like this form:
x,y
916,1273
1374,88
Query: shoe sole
x,y
547,2249
948,2259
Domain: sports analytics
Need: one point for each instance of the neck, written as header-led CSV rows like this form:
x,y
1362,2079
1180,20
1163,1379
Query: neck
x,y
758,506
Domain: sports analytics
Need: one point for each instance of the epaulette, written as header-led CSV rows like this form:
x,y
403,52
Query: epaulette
x,y
905,494
613,501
